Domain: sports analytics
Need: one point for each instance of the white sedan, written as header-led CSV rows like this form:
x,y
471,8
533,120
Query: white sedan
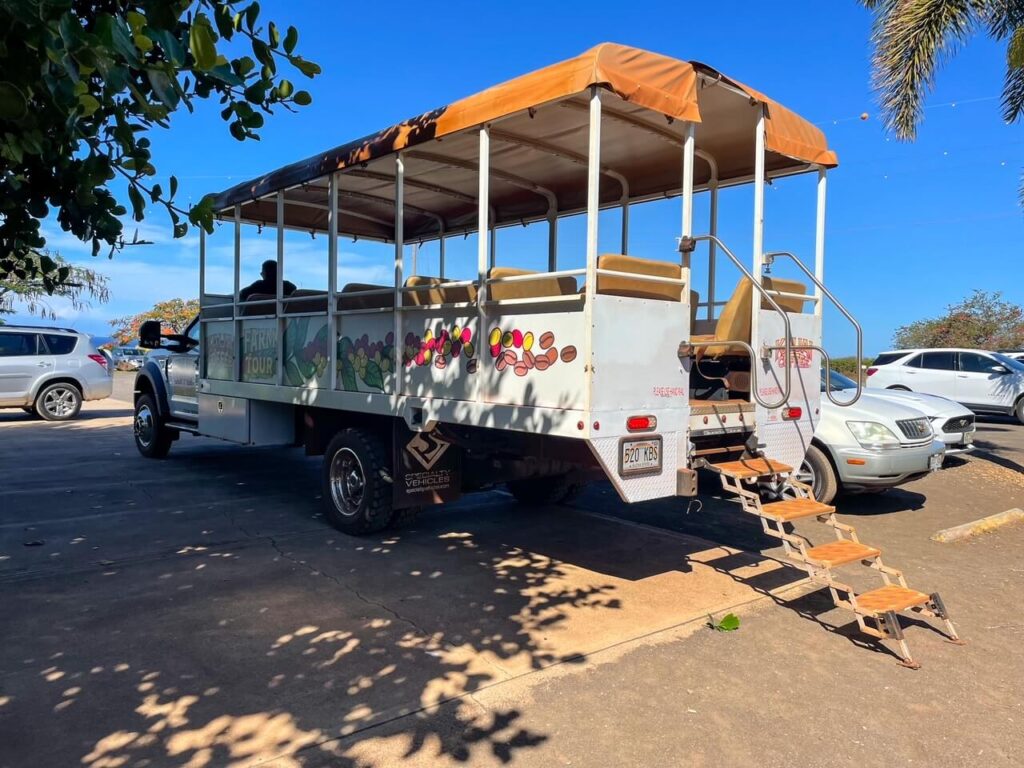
x,y
875,444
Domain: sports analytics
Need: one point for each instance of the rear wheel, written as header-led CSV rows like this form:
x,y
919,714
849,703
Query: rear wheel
x,y
356,482
152,438
544,491
1019,410
59,402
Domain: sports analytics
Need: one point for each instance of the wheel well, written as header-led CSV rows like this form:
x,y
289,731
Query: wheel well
x,y
143,386
900,387
58,380
317,426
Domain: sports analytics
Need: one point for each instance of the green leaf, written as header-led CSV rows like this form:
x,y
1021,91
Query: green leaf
x,y
291,39
13,105
201,43
252,13
308,68
303,99
373,377
138,202
274,35
174,186
729,623
162,86
89,104
285,89
135,20
347,374
173,50
263,53
142,42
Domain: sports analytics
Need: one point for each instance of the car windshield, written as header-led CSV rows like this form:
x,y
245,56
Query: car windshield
x,y
839,382
1009,362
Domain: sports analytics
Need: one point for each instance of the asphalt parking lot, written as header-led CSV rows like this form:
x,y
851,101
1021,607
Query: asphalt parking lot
x,y
199,612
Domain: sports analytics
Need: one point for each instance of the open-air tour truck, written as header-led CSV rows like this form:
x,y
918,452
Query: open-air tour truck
x,y
429,387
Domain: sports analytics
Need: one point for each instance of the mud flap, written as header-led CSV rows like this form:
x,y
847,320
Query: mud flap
x,y
428,469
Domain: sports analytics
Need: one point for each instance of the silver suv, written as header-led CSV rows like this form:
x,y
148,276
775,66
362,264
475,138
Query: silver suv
x,y
50,371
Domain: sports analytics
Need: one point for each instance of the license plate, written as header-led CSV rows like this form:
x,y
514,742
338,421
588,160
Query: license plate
x,y
935,462
640,456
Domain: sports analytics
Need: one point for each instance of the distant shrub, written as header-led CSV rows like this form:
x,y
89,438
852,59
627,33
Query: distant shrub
x,y
848,366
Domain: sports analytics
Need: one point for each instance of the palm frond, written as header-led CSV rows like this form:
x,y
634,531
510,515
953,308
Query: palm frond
x,y
1013,86
912,38
1004,17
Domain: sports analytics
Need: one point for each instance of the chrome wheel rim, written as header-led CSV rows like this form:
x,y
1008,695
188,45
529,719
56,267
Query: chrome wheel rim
x,y
145,426
348,482
60,401
806,475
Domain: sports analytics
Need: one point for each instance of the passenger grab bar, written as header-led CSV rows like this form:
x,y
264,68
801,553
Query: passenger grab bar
x,y
768,259
688,245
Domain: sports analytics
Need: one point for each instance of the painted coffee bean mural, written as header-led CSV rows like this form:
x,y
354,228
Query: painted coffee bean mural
x,y
523,351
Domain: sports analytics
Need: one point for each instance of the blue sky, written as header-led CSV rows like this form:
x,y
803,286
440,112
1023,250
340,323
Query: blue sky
x,y
911,227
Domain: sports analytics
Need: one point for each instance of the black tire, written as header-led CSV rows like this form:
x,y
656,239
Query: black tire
x,y
817,469
357,482
59,401
152,438
545,491
1019,410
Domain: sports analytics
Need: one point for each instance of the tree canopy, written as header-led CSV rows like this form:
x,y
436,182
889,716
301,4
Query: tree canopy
x,y
79,285
912,38
981,321
83,85
174,315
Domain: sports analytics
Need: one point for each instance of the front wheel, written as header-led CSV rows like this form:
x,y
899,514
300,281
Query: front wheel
x,y
817,472
59,402
152,438
1019,410
357,482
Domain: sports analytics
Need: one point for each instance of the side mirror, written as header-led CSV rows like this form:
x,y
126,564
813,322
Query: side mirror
x,y
999,369
149,334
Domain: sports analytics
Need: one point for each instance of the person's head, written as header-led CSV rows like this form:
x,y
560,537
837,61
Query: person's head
x,y
269,270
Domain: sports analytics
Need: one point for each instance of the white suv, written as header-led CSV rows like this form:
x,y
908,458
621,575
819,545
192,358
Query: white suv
x,y
983,381
50,371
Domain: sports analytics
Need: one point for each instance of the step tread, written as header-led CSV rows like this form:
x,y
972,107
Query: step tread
x,y
794,509
890,598
841,552
748,468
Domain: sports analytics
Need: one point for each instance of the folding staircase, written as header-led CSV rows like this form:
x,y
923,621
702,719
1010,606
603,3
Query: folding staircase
x,y
876,610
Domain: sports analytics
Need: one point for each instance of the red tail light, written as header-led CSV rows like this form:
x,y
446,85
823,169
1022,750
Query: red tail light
x,y
792,414
641,423
99,359
871,371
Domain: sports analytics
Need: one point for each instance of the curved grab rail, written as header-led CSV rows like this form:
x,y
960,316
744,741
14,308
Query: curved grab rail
x,y
769,258
688,244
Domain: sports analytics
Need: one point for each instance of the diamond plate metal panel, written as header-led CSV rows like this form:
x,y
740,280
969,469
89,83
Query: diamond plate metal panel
x,y
646,487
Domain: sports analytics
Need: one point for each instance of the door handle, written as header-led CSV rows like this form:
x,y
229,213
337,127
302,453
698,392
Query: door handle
x,y
43,365
961,375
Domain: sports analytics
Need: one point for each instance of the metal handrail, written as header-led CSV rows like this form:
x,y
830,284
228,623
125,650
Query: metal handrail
x,y
782,313
769,258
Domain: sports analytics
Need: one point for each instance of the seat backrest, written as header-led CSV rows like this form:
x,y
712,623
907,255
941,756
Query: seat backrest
x,y
611,285
734,322
787,286
439,292
527,289
306,300
349,297
248,308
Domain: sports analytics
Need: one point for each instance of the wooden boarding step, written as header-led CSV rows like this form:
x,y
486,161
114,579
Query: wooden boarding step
x,y
840,552
746,469
890,598
794,509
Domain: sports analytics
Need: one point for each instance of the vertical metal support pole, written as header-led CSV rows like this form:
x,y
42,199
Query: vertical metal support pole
x,y
279,289
593,215
758,261
482,241
202,295
440,248
625,227
332,279
237,373
415,258
819,243
689,145
712,248
552,239
399,265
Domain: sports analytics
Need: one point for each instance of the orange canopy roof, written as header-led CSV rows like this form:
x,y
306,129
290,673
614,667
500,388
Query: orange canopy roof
x,y
640,78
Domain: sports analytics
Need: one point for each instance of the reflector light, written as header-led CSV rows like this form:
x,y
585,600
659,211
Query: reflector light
x,y
641,423
871,371
856,462
99,359
791,414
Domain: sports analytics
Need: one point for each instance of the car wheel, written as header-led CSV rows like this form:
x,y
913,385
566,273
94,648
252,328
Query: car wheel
x,y
152,438
356,482
59,402
544,491
817,472
1019,410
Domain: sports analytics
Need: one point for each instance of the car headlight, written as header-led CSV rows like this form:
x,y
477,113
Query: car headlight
x,y
871,434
